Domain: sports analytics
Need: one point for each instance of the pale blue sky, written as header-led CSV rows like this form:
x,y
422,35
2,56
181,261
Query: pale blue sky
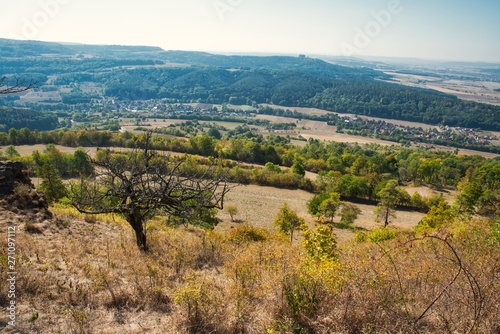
x,y
432,29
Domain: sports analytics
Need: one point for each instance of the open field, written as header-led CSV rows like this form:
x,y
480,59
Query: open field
x,y
478,91
39,96
153,123
322,131
463,151
258,206
315,111
28,149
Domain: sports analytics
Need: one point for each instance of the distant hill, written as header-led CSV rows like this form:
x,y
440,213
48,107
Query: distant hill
x,y
311,66
143,72
17,49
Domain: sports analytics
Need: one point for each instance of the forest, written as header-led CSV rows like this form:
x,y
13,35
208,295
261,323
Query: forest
x,y
15,118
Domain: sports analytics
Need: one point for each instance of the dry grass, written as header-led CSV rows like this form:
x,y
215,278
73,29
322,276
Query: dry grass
x,y
89,277
258,206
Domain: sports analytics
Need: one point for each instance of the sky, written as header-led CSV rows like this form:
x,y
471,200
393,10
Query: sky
x,y
426,29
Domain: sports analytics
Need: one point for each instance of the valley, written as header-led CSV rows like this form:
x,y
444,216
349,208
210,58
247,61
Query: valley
x,y
153,191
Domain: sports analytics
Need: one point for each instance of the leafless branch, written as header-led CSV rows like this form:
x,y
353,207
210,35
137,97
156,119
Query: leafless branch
x,y
17,85
144,182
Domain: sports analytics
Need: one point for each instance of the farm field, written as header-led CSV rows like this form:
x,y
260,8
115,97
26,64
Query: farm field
x,y
322,131
478,91
28,149
315,111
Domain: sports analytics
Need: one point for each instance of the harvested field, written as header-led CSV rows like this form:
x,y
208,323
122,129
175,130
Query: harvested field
x,y
315,111
258,206
28,149
478,91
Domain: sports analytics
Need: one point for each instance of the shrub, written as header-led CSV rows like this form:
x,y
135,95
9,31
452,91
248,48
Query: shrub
x,y
247,234
232,211
201,300
320,244
377,235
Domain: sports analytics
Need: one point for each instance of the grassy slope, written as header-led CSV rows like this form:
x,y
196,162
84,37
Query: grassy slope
x,y
80,275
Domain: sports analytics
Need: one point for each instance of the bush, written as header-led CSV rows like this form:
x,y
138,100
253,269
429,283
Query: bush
x,y
314,203
200,299
377,235
320,244
247,234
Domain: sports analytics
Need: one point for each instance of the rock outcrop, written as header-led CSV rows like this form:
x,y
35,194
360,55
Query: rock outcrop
x,y
17,193
12,174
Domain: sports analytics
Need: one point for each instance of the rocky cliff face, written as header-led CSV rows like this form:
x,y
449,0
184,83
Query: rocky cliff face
x,y
18,195
12,174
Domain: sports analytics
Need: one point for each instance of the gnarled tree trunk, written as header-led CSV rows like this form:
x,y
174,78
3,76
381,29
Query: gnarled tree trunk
x,y
136,220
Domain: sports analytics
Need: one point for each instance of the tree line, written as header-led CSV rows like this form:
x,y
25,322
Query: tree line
x,y
356,172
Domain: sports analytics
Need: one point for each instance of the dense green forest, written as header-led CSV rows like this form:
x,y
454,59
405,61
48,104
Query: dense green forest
x,y
143,73
371,98
25,118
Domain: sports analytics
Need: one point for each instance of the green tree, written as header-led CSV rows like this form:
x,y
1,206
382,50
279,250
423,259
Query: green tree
x,y
469,196
328,208
13,136
288,221
349,213
389,197
314,203
215,133
298,168
11,152
81,163
51,185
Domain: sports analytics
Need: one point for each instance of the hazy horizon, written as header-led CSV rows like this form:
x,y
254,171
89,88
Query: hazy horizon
x,y
444,31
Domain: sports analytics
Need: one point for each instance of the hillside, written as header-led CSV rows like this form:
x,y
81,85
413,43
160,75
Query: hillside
x,y
15,118
76,274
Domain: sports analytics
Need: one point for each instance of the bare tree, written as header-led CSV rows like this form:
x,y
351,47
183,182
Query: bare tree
x,y
142,183
15,85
